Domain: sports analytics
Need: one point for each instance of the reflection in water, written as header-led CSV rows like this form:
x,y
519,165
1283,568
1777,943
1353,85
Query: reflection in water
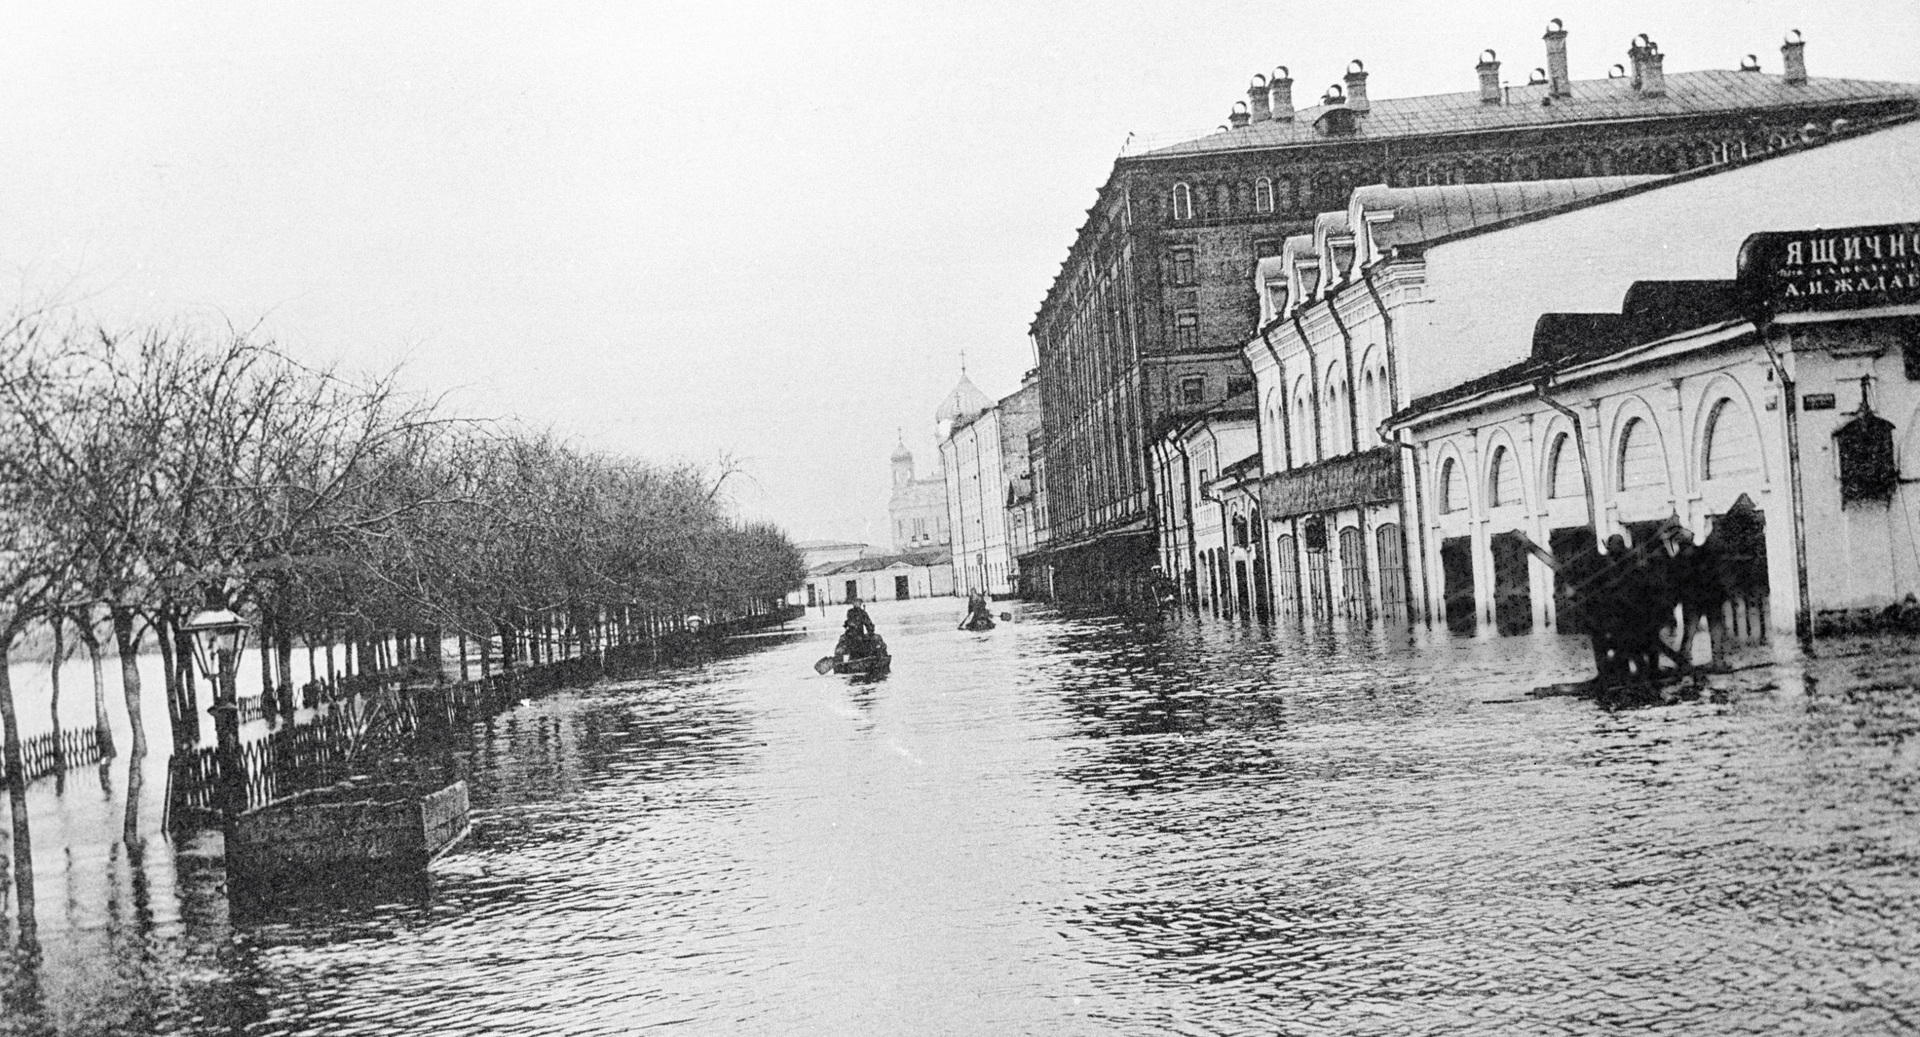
x,y
1071,825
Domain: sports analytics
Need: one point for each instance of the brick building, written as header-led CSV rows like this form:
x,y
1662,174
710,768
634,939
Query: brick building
x,y
1146,319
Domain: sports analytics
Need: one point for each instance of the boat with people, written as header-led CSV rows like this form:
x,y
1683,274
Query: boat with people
x,y
860,651
979,615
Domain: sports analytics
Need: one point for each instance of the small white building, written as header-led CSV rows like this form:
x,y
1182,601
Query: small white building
x,y
896,577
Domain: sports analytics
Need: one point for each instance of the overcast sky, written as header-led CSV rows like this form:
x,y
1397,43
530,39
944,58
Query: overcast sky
x,y
677,229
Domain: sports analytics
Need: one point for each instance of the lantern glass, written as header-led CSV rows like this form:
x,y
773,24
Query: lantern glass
x,y
215,631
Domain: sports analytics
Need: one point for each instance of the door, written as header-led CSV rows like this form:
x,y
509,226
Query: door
x,y
1456,575
1240,586
1573,548
1353,575
1288,562
853,590
1393,573
900,588
1512,598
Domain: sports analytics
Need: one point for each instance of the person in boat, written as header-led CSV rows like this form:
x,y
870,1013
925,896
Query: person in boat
x,y
857,637
979,614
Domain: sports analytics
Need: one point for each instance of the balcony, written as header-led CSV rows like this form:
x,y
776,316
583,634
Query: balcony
x,y
1370,477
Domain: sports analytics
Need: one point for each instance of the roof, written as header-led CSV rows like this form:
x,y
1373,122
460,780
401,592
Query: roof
x,y
1650,311
1706,92
910,558
1425,213
965,401
821,545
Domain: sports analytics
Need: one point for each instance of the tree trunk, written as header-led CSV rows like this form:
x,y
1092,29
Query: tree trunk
x,y
90,638
59,657
17,801
128,649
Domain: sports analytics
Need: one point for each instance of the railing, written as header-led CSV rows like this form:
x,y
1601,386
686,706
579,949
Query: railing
x,y
390,724
56,751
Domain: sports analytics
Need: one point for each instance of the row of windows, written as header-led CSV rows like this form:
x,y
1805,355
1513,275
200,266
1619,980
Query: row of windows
x,y
1342,411
1731,449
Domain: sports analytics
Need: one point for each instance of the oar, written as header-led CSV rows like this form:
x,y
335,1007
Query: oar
x,y
825,665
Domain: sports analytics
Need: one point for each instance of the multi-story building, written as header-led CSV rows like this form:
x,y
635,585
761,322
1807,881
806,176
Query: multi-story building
x,y
917,510
984,454
1146,319
1199,466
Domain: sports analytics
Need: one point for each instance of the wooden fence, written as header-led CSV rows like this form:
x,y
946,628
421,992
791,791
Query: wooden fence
x,y
56,751
388,725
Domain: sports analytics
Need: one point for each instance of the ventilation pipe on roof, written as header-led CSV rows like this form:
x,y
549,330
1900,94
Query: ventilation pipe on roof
x,y
1356,86
1238,118
1794,54
1489,69
1561,82
1617,72
1257,99
1649,77
1751,63
1538,78
1334,95
1280,94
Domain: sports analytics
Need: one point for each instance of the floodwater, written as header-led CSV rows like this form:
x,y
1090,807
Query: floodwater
x,y
1072,826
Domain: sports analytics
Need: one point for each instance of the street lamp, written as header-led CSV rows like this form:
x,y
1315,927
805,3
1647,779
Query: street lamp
x,y
218,635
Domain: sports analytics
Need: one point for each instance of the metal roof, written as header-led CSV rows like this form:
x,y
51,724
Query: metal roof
x,y
1706,92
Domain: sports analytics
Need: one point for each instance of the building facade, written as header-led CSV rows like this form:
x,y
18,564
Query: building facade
x,y
1763,386
917,509
894,577
1200,467
984,454
1146,320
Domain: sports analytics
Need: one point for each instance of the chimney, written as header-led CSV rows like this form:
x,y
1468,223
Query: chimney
x,y
1649,77
1560,84
1357,86
1239,118
1793,53
1334,95
1257,99
1489,69
1280,94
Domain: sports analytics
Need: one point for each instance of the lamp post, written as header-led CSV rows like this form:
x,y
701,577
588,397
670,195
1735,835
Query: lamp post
x,y
219,635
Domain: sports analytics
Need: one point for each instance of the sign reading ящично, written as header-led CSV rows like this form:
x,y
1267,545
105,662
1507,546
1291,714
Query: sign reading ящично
x,y
1850,268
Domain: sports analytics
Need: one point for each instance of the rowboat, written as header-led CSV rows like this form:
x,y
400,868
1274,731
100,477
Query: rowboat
x,y
346,829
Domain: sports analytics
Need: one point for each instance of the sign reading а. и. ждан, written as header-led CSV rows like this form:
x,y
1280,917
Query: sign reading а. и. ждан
x,y
1851,268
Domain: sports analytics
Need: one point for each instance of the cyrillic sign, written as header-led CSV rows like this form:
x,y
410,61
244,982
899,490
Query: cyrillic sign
x,y
1851,268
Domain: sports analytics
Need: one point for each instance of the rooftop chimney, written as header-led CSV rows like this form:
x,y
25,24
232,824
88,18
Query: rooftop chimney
x,y
1489,69
1793,53
1280,94
1333,96
1561,85
1649,77
1239,118
1357,86
1257,99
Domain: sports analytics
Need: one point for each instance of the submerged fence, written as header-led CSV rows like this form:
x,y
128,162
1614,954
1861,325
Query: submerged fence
x,y
59,750
390,727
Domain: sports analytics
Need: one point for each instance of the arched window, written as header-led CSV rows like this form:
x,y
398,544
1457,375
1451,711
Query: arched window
x,y
1503,480
1336,420
1263,195
1223,200
1733,448
1369,403
1302,428
1563,469
1182,202
1453,492
1641,466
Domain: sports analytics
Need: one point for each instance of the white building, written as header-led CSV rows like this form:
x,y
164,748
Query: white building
x,y
983,450
1208,524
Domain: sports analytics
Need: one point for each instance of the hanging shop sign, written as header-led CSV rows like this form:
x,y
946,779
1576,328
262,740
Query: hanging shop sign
x,y
1851,268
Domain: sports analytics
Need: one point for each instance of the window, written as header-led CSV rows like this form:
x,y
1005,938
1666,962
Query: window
x,y
1732,448
1236,386
1503,480
1186,331
1641,466
1182,266
1223,200
1263,195
1182,202
1276,299
1193,390
1453,492
1563,479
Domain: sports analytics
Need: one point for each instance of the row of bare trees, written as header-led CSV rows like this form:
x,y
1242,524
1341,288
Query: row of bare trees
x,y
148,474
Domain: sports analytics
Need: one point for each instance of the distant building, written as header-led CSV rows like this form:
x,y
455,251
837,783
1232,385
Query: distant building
x,y
1147,317
814,553
984,454
917,510
894,577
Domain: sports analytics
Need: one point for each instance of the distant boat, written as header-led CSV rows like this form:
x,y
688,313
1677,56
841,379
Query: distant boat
x,y
874,663
977,622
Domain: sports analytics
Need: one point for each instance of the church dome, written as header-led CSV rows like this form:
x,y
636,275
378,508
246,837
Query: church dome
x,y
901,454
964,402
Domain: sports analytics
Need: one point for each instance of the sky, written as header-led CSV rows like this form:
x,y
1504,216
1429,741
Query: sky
x,y
688,230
